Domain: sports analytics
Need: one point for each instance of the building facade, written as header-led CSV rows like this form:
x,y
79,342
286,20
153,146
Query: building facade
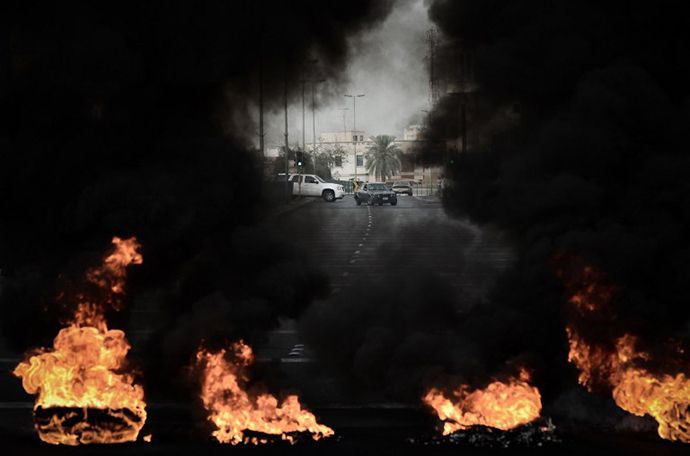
x,y
353,146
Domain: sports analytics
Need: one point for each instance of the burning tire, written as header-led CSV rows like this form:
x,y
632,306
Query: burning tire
x,y
85,425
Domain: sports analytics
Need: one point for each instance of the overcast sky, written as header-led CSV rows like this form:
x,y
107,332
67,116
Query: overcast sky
x,y
388,66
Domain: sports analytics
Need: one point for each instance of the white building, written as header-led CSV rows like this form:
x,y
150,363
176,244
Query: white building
x,y
412,133
354,144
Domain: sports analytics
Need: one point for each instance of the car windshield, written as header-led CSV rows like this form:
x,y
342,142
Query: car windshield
x,y
377,187
401,184
319,179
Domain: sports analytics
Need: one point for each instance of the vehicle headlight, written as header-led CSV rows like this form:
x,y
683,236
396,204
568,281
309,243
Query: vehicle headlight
x,y
340,187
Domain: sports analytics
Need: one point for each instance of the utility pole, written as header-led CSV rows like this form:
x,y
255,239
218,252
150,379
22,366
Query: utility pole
x,y
424,153
304,141
463,123
354,124
287,146
262,133
261,108
313,118
304,147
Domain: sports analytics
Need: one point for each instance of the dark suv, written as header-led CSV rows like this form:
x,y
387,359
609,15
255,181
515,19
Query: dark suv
x,y
375,193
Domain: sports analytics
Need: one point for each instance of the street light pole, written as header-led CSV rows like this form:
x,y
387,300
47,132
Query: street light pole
x,y
354,125
304,141
313,118
287,146
423,153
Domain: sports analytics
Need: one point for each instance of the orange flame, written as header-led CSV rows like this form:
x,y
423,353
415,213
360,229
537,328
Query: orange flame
x,y
664,397
84,369
110,278
500,405
232,410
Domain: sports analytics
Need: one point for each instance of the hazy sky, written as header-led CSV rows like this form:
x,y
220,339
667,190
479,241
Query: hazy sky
x,y
388,66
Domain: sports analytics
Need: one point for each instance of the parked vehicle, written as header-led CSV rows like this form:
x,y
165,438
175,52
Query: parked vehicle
x,y
375,193
403,187
313,185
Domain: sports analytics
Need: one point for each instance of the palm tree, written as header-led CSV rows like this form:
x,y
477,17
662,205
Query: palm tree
x,y
383,157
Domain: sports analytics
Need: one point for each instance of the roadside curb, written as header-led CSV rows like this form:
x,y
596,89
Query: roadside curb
x,y
428,199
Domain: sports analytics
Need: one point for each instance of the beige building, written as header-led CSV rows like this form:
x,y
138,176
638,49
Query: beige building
x,y
354,144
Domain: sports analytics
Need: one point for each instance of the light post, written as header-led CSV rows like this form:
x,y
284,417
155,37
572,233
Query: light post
x,y
313,117
304,146
426,111
354,125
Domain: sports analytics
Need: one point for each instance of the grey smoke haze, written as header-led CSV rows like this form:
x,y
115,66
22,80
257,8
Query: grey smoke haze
x,y
387,64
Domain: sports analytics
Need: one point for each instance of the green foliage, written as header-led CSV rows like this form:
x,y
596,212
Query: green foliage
x,y
326,158
383,157
279,163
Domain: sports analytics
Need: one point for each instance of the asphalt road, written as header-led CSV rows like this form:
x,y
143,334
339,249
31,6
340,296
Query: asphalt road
x,y
386,243
347,242
391,242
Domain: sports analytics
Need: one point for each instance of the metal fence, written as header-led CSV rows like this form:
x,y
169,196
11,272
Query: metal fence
x,y
417,190
425,190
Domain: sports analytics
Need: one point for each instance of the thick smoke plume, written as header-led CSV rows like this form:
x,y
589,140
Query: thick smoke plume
x,y
131,118
595,167
402,327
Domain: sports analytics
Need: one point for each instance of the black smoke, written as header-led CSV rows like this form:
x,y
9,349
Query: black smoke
x,y
133,119
400,328
594,167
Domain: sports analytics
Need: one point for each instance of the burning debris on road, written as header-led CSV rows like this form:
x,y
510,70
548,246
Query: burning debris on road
x,y
638,383
501,415
85,391
536,433
500,405
241,418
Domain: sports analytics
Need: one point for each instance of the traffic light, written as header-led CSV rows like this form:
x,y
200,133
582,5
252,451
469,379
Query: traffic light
x,y
452,156
299,158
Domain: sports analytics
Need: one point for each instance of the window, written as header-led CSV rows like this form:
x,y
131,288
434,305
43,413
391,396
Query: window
x,y
338,161
360,160
310,180
361,137
295,177
354,138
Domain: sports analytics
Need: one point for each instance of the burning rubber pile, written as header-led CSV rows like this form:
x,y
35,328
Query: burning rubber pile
x,y
639,384
85,392
240,418
502,414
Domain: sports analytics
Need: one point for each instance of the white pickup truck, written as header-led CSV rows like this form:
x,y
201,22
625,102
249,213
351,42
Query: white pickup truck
x,y
313,185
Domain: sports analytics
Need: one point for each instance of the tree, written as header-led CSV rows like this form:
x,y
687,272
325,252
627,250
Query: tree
x,y
329,157
383,157
279,163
